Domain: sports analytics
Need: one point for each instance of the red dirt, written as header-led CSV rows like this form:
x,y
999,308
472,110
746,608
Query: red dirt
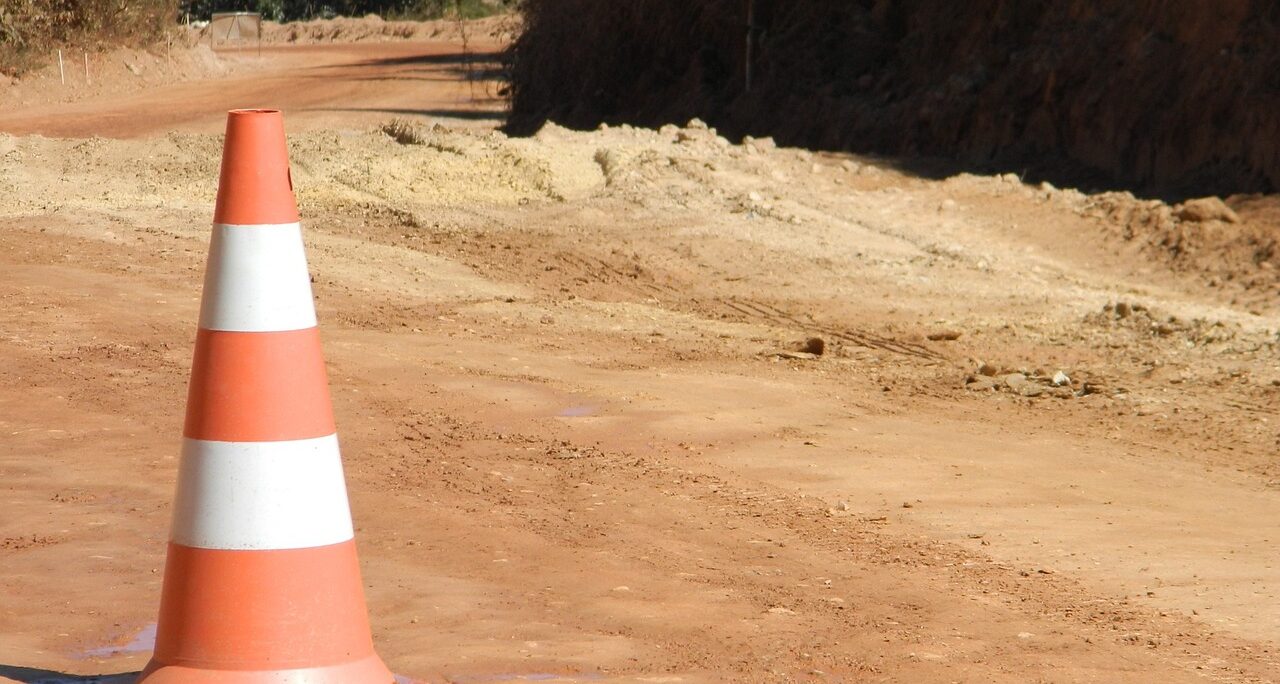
x,y
571,445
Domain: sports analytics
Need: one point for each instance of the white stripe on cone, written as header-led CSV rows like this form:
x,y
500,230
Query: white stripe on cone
x,y
261,495
257,280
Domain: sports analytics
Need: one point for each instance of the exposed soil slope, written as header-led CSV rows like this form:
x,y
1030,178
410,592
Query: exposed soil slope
x,y
1170,97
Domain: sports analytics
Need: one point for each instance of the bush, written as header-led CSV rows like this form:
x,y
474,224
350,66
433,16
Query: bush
x,y
30,29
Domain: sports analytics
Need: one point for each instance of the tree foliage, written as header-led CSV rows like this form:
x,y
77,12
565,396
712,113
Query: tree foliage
x,y
290,10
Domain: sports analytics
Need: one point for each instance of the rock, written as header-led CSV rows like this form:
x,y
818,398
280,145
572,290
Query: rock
x,y
1123,310
850,165
795,355
1060,379
764,144
1206,209
988,370
779,610
943,335
979,383
813,345
1014,380
696,124
1030,389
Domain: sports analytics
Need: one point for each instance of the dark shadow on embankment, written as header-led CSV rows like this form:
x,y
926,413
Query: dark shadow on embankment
x,y
467,114
1167,98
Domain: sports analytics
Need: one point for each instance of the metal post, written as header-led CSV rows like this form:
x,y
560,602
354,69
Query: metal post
x,y
751,27
62,73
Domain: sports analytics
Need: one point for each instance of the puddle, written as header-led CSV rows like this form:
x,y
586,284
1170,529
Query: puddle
x,y
576,411
145,640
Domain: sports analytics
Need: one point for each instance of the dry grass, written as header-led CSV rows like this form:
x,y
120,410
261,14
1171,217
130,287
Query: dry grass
x,y
30,29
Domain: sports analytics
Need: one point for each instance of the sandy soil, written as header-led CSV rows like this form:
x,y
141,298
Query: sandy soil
x,y
580,442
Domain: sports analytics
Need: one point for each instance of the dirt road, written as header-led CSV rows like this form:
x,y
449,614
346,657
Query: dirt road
x,y
580,443
322,86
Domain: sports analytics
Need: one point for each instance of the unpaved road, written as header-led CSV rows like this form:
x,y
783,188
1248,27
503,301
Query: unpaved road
x,y
572,450
321,86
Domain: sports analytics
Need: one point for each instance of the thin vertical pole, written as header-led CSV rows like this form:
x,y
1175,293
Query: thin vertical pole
x,y
62,73
751,27
87,80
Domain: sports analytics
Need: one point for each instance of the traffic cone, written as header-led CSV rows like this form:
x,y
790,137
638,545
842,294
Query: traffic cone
x,y
261,583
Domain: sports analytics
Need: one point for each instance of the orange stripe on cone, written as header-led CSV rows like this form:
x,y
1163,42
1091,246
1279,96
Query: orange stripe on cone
x,y
261,584
240,609
258,387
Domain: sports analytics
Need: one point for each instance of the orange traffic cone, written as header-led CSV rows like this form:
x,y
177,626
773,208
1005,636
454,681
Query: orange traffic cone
x,y
261,582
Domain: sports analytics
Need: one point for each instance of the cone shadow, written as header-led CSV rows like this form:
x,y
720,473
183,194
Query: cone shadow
x,y
32,675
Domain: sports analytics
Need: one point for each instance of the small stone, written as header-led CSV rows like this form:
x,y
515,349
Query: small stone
x,y
813,345
1060,379
795,355
696,124
987,370
1123,310
1014,380
622,588
943,335
779,610
979,383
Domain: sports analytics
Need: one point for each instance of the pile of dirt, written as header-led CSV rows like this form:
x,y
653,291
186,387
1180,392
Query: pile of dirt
x,y
1231,245
373,28
1168,97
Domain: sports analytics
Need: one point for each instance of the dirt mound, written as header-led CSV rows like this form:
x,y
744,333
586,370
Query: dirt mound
x,y
1230,245
375,28
1169,97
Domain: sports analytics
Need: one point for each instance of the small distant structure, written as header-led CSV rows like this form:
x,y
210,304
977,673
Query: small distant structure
x,y
235,29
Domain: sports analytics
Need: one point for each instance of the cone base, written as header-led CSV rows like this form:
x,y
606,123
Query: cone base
x,y
368,670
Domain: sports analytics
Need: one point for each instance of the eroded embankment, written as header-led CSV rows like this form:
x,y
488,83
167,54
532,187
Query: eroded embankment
x,y
1173,97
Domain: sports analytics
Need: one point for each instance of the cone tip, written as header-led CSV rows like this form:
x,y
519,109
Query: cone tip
x,y
255,186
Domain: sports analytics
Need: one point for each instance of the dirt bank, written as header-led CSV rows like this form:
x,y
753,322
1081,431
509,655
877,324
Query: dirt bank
x,y
1164,97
